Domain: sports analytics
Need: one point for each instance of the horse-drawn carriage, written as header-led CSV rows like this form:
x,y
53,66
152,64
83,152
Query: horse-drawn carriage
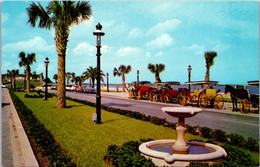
x,y
204,96
166,93
246,99
140,90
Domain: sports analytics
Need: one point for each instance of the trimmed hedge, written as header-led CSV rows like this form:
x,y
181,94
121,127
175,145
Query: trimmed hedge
x,y
128,155
43,138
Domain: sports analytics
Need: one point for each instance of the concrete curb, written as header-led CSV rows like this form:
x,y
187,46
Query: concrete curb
x,y
22,152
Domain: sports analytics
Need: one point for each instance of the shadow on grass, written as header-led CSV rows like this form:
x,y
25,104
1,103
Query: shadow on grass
x,y
72,106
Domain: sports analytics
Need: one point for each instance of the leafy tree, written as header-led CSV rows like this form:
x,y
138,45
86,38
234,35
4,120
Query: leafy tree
x,y
55,77
60,15
209,57
121,71
156,69
91,73
12,74
26,61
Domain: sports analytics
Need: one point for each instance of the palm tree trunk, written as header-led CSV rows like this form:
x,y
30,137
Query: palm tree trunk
x,y
123,82
28,80
13,82
61,39
207,77
61,92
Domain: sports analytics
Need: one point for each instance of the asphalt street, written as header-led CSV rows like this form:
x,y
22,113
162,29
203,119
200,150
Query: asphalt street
x,y
231,122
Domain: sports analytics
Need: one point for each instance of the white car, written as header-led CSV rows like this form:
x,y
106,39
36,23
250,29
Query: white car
x,y
89,89
70,87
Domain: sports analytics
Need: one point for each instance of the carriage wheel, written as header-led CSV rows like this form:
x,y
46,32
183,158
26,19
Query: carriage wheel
x,y
130,95
203,101
219,101
155,98
166,98
244,106
139,95
150,96
183,100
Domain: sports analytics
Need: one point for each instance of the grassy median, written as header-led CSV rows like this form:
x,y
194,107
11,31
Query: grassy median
x,y
85,142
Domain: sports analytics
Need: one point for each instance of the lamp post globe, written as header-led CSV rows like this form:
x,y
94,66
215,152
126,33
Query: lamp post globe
x,y
46,61
98,33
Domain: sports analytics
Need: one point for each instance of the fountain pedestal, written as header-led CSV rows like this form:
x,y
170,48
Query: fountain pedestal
x,y
180,146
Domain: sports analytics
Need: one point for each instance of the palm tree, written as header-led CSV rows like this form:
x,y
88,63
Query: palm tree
x,y
12,74
209,57
91,73
121,71
55,77
156,69
34,76
61,15
68,76
26,61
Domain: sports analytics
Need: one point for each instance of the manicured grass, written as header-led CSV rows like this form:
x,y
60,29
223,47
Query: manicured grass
x,y
85,142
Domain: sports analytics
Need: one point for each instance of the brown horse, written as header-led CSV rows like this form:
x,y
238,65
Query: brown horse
x,y
236,94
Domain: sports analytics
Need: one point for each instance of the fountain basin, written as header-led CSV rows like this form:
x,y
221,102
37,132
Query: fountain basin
x,y
215,152
181,112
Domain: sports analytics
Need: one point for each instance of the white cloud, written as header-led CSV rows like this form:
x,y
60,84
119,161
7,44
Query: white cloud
x,y
159,54
164,27
195,48
219,47
31,45
84,49
162,41
129,51
135,33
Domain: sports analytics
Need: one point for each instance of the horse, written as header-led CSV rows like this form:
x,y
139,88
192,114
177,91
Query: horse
x,y
236,94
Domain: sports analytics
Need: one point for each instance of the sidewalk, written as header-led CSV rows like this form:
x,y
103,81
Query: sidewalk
x,y
16,149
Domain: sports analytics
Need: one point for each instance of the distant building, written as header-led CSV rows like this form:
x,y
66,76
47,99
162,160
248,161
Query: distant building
x,y
21,77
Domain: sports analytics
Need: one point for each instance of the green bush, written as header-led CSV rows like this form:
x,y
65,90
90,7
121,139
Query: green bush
x,y
206,132
237,157
127,155
219,135
252,144
236,140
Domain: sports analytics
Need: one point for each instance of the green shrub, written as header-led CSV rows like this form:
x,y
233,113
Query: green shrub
x,y
237,157
206,132
127,155
236,140
219,135
252,144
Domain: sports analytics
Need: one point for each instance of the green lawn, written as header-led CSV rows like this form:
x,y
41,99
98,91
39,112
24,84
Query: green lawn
x,y
86,142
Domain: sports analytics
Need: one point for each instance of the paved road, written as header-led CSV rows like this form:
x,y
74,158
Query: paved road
x,y
231,122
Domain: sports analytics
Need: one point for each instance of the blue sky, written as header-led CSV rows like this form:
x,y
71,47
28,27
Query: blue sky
x,y
174,33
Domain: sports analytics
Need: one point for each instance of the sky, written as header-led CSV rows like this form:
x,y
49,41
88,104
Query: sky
x,y
173,33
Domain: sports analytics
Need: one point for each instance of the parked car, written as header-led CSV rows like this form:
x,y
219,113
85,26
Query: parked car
x,y
89,89
54,87
70,87
78,89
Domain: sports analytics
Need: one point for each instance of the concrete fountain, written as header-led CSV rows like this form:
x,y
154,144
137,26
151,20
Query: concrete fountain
x,y
180,152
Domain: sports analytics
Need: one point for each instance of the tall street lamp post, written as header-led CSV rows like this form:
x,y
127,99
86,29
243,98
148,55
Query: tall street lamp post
x,y
107,82
46,61
189,72
98,33
137,77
